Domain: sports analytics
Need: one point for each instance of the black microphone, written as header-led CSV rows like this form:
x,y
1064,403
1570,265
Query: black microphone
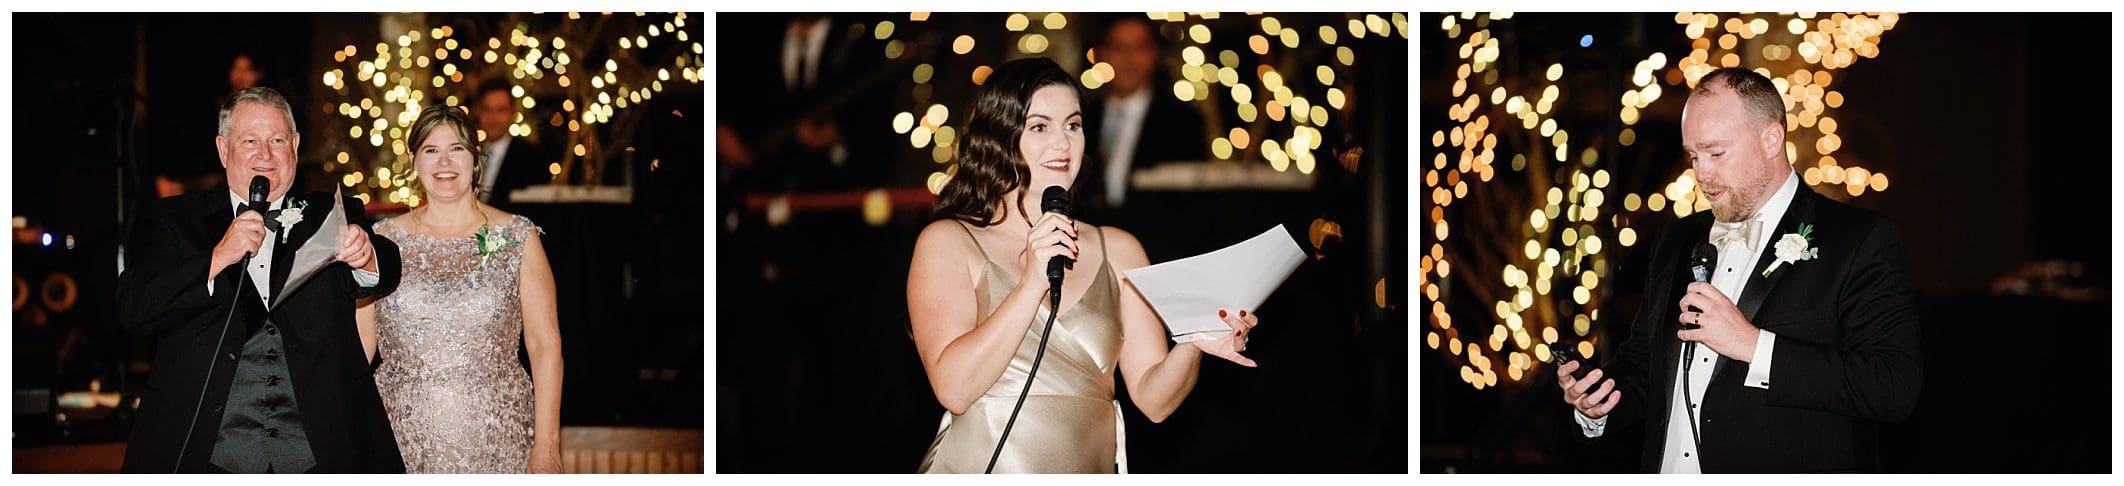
x,y
1701,261
1056,200
260,190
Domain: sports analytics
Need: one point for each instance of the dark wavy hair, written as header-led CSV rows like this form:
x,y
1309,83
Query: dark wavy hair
x,y
990,165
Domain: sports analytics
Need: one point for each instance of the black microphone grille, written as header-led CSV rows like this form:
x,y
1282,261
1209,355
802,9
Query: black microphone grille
x,y
1705,253
1054,200
260,188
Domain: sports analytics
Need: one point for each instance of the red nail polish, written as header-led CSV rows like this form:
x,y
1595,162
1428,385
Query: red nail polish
x,y
1242,313
1220,312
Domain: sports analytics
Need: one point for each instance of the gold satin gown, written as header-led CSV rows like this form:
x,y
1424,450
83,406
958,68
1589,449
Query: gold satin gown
x,y
1071,422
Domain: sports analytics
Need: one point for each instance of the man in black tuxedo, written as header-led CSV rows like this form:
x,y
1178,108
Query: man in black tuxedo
x,y
800,105
1132,125
282,390
512,162
1820,348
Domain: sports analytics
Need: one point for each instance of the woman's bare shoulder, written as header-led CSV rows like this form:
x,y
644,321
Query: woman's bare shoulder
x,y
944,237
1126,250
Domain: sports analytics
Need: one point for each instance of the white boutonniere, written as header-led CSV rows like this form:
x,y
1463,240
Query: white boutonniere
x,y
289,217
492,239
1794,248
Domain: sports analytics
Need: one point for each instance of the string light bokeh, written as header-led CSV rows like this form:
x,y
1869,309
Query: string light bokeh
x,y
598,65
1543,267
1283,90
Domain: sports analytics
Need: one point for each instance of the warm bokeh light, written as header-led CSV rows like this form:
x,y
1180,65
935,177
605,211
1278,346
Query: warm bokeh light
x,y
1555,259
406,72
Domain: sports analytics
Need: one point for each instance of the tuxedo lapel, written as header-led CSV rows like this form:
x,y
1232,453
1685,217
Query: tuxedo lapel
x,y
284,253
215,216
1800,211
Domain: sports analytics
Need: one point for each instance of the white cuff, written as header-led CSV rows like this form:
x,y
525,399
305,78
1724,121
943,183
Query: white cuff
x,y
1592,427
1759,368
366,278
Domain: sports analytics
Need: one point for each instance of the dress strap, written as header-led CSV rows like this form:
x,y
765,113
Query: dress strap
x,y
1102,244
970,237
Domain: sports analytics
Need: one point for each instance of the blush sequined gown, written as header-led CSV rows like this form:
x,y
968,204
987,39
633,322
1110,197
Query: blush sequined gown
x,y
458,398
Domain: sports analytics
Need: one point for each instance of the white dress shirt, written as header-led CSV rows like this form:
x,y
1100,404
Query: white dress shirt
x,y
1123,125
261,268
805,44
497,149
803,48
1731,278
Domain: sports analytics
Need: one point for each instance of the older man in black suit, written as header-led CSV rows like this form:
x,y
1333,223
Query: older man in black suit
x,y
1820,347
254,374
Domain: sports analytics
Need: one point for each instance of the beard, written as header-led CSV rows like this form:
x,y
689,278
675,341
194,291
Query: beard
x,y
1730,212
1743,200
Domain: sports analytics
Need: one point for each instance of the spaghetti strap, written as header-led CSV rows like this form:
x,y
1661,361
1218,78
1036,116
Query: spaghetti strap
x,y
970,237
1102,244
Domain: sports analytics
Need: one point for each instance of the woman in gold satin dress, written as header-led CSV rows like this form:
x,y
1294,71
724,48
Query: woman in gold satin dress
x,y
977,298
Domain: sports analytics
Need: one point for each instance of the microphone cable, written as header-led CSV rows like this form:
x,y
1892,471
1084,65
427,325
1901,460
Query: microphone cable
x,y
1054,307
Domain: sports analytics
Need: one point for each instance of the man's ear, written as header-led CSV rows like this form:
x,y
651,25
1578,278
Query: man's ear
x,y
221,148
1773,139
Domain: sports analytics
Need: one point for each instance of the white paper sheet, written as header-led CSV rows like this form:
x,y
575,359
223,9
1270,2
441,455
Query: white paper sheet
x,y
1187,293
317,252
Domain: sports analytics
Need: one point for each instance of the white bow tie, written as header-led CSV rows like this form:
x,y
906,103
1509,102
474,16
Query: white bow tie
x,y
1723,234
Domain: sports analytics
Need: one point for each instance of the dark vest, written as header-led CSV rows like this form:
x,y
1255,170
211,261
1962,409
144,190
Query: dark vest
x,y
261,428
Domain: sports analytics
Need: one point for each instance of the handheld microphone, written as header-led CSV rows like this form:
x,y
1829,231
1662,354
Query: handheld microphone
x,y
1701,261
260,190
1055,200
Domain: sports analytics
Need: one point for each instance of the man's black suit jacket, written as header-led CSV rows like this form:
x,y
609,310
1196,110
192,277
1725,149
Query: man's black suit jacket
x,y
1172,131
1846,357
523,165
163,294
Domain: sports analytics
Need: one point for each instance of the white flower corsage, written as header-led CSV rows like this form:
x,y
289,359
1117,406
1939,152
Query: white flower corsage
x,y
289,217
1794,248
492,239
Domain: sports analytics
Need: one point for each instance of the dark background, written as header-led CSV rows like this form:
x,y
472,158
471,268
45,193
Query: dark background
x,y
86,158
1994,130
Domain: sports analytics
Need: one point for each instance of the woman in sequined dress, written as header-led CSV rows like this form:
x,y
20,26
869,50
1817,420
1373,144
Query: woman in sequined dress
x,y
475,281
